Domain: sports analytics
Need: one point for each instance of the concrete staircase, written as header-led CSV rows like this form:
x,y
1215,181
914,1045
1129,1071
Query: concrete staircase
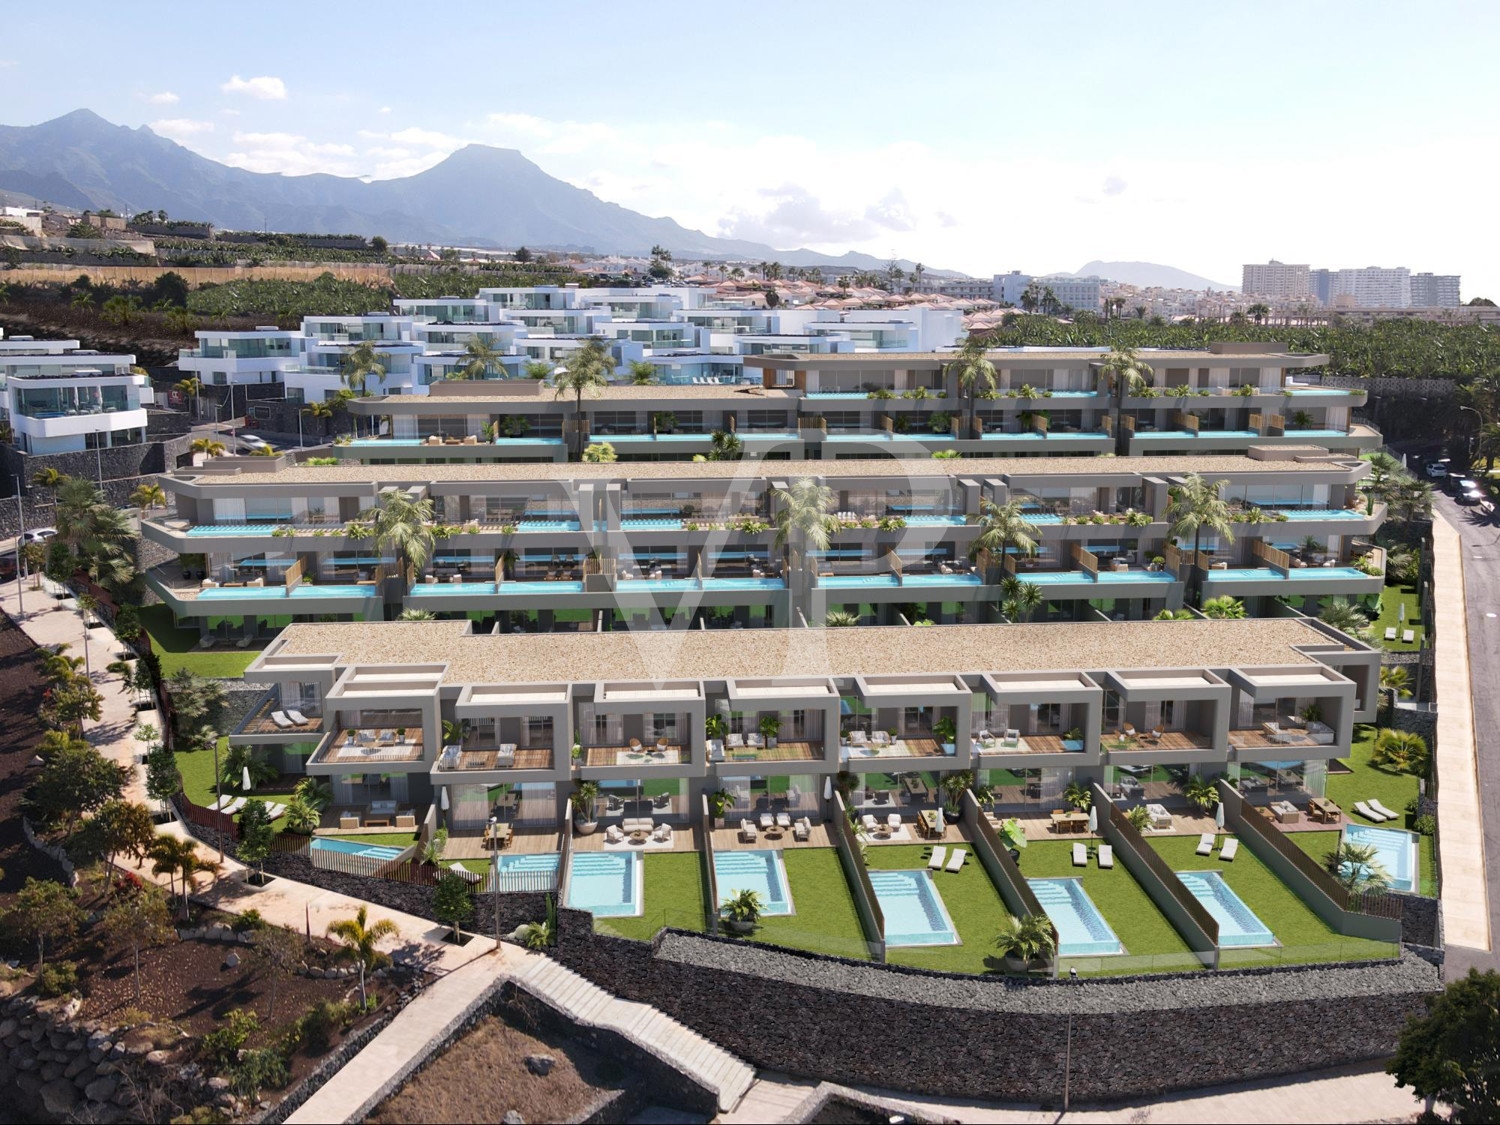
x,y
676,1045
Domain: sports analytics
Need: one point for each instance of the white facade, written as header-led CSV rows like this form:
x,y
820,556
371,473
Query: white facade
x,y
1277,281
60,399
1081,293
1435,291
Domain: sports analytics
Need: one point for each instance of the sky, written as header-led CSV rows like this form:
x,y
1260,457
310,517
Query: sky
x,y
979,137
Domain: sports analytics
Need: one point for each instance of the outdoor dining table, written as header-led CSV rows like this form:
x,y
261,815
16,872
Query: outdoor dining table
x,y
1325,810
1070,822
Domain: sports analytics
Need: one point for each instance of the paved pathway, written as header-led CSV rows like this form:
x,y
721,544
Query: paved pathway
x,y
1468,538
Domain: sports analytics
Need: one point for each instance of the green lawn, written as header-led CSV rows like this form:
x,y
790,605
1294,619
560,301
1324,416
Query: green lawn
x,y
178,647
1135,919
1304,937
673,890
826,920
973,903
384,839
196,768
1320,845
1391,599
1393,790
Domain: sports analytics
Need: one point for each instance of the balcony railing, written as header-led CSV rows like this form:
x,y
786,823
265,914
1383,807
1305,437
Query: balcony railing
x,y
372,746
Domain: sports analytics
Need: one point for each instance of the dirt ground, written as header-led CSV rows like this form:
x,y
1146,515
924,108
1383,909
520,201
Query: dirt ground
x,y
20,695
484,1075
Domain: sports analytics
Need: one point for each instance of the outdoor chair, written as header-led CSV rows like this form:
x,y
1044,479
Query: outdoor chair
x,y
1106,856
767,820
783,820
1368,813
802,830
1390,634
956,860
1080,855
939,856
869,822
1205,844
747,830
1408,636
894,821
1375,804
282,720
1230,849
299,718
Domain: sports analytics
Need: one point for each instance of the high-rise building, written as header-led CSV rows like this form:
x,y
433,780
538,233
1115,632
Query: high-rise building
x,y
1319,285
1276,280
1371,287
1081,293
1435,291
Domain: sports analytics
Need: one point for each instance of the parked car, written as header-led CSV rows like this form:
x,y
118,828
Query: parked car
x,y
252,444
38,534
1436,470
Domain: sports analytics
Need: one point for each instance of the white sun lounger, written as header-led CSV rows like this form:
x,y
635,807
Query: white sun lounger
x,y
1408,636
1080,856
939,854
1390,634
1205,843
1106,856
1368,813
298,717
282,720
274,811
1382,810
234,806
956,860
1230,849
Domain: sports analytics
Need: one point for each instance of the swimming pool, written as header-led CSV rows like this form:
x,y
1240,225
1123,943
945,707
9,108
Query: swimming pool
x,y
1238,925
438,589
1294,514
1395,850
249,593
351,846
650,525
538,587
1081,929
1266,574
759,871
935,521
526,872
234,528
548,525
608,884
913,909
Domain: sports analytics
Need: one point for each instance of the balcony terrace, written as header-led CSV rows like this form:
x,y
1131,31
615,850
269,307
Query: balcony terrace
x,y
635,754
785,750
369,746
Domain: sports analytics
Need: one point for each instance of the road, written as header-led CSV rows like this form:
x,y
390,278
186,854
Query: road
x,y
1479,532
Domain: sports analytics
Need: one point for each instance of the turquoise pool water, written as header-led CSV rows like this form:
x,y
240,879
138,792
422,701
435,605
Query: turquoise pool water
x,y
539,587
608,884
1266,574
652,437
1189,434
526,872
758,871
234,528
1315,433
913,909
548,525
935,521
1238,925
1081,929
449,589
1067,577
351,846
1395,850
881,435
650,525
1030,436
858,581
257,593
1294,514
837,394
667,585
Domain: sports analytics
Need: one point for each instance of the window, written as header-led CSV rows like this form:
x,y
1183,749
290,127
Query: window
x,y
767,419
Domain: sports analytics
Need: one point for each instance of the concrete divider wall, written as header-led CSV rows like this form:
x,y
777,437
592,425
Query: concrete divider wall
x,y
870,916
710,875
1186,913
1019,898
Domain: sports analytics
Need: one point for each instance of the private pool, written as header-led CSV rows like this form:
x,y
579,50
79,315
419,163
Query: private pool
x,y
1081,929
350,845
248,593
913,909
758,871
527,872
1395,850
608,884
1238,925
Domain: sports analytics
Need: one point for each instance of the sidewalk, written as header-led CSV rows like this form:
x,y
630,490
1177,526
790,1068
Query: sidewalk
x,y
1465,893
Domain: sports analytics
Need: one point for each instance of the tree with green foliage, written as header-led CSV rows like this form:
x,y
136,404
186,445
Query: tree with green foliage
x,y
1004,528
599,453
453,902
139,919
162,781
975,373
179,859
724,446
1403,751
480,360
1224,608
359,941
1452,1053
1193,507
43,911
119,827
279,952
804,520
642,374
256,837
1357,868
403,526
74,781
196,701
1343,616
587,372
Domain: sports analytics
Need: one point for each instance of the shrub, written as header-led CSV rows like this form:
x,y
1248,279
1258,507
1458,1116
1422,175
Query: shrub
x,y
58,979
257,1069
248,922
221,1046
320,1021
1425,825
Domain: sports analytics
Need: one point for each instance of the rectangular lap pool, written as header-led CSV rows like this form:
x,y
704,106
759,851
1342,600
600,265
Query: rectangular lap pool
x,y
536,872
913,909
351,846
1238,925
758,871
608,884
1081,929
264,593
1395,851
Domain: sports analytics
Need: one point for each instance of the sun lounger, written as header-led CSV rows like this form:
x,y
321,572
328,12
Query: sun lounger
x,y
956,860
298,717
1408,636
274,811
1080,856
234,806
1106,856
1230,849
1368,813
1205,843
1382,810
939,856
282,720
747,830
767,820
783,820
1390,634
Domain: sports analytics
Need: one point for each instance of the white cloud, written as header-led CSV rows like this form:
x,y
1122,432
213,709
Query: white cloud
x,y
428,138
539,136
384,109
165,97
1113,185
181,128
291,154
265,88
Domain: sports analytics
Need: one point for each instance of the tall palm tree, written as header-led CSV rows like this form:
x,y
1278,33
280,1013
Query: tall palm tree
x,y
975,373
480,359
1126,374
209,447
642,374
192,387
724,446
360,366
1005,527
50,479
1195,506
404,526
1338,613
802,517
148,496
359,938
1487,445
178,858
1259,312
1357,868
588,373
1395,682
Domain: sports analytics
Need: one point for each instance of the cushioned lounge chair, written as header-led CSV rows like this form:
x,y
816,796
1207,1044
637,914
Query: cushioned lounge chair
x,y
1106,856
1230,849
1205,844
956,860
1080,855
938,857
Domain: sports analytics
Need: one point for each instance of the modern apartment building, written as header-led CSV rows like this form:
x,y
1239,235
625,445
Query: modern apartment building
x,y
60,398
436,719
1435,291
1370,287
1276,281
1082,293
588,547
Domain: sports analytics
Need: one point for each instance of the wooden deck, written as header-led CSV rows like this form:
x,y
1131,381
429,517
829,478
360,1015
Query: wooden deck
x,y
259,721
480,757
525,840
1169,740
340,752
684,839
729,840
1258,739
783,751
643,755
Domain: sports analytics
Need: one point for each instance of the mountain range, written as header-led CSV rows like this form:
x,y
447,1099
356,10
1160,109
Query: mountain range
x,y
1149,275
478,196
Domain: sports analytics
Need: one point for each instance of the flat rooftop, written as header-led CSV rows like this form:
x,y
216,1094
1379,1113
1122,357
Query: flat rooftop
x,y
532,658
1032,357
1319,461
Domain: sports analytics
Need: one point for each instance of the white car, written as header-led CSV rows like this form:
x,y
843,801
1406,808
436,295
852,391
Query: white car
x,y
253,443
38,535
1436,471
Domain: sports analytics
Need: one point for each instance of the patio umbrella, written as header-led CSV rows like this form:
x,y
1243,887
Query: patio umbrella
x,y
245,779
938,820
828,789
1219,816
1401,613
1093,820
443,798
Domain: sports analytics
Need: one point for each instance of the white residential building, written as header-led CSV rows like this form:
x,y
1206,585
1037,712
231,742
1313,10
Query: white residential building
x,y
1277,281
1435,291
59,398
1371,287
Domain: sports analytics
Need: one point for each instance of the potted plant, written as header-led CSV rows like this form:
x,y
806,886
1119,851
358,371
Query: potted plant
x,y
401,735
585,796
1026,943
719,802
715,726
770,727
1078,796
1201,792
1138,817
742,911
945,729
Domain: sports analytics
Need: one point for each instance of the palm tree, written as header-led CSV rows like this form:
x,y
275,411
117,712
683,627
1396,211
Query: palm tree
x,y
360,366
642,374
724,446
1028,600
588,373
1224,608
1487,444
359,938
1005,526
802,517
1127,375
417,615
536,369
192,387
599,453
840,619
1395,682
1259,312
176,857
209,447
1340,614
481,360
1402,750
1357,868
404,526
148,496
1192,507
1025,940
975,373
50,479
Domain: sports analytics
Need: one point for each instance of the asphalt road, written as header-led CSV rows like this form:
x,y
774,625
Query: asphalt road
x,y
1479,531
